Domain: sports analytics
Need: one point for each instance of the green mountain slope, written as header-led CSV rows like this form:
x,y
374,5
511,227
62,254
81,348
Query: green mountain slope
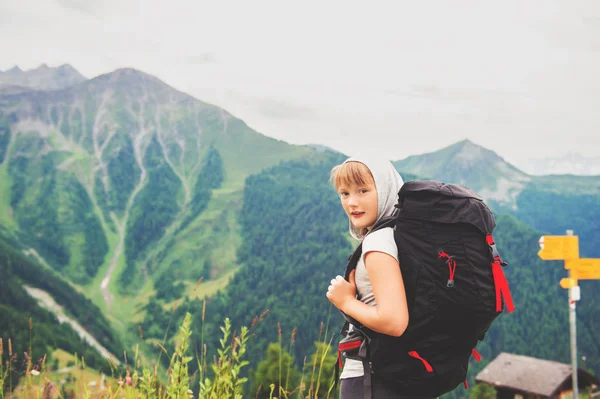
x,y
469,164
21,274
110,179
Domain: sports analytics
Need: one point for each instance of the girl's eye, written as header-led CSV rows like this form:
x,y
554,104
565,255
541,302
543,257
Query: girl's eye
x,y
364,191
343,194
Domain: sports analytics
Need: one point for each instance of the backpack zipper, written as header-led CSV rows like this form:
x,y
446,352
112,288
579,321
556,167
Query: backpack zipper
x,y
451,262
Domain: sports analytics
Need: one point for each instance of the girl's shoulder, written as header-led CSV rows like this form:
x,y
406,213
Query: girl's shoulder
x,y
384,235
381,241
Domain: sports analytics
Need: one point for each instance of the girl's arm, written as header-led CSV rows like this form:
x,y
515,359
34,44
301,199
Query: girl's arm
x,y
390,315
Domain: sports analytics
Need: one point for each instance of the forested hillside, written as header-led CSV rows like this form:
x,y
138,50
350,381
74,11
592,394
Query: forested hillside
x,y
555,212
45,334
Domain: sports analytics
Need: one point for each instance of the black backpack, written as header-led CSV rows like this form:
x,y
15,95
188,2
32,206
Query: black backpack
x,y
454,286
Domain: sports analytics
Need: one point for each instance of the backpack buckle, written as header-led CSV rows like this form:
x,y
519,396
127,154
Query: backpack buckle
x,y
496,254
493,250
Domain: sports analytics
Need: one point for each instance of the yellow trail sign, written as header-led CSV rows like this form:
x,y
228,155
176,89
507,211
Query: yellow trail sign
x,y
583,269
559,247
568,283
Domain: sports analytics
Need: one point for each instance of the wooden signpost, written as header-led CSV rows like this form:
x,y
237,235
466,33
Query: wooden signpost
x,y
567,248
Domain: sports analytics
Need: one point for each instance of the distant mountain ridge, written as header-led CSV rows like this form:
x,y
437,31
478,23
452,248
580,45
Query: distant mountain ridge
x,y
571,163
489,174
469,164
41,78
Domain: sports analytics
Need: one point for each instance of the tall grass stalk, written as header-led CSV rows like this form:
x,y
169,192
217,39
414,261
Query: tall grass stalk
x,y
326,349
179,378
292,339
280,353
314,368
2,372
302,384
202,347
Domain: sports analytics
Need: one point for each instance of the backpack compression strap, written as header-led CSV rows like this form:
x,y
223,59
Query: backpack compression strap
x,y
499,278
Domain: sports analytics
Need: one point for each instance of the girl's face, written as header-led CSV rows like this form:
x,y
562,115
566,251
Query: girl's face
x,y
360,203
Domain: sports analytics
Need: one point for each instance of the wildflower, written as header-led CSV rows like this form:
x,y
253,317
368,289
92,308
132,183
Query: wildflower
x,y
128,380
34,372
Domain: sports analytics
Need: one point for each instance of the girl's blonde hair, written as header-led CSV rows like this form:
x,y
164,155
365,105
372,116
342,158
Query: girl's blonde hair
x,y
351,173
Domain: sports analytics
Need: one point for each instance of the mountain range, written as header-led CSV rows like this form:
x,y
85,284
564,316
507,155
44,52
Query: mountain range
x,y
130,191
571,163
40,78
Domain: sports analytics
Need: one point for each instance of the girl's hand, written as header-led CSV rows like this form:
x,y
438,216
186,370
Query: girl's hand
x,y
340,291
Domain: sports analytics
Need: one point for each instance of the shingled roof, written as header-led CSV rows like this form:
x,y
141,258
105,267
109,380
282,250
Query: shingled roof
x,y
530,375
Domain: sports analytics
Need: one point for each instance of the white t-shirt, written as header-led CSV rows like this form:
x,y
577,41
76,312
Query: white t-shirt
x,y
378,241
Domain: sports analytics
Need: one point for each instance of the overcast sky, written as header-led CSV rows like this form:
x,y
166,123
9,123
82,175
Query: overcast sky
x,y
521,77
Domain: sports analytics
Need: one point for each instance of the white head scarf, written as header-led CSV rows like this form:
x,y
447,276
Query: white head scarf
x,y
387,181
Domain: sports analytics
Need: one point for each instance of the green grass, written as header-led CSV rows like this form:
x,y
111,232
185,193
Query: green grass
x,y
93,288
214,235
76,243
247,152
63,358
208,288
6,217
69,370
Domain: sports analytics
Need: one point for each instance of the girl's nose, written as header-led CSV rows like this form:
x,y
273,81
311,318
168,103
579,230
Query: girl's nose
x,y
352,200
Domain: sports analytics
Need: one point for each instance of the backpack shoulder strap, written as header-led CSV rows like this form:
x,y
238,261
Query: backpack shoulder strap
x,y
353,261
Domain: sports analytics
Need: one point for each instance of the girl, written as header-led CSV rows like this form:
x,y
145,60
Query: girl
x,y
368,191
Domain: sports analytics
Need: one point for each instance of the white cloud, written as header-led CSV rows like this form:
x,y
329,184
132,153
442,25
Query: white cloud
x,y
396,77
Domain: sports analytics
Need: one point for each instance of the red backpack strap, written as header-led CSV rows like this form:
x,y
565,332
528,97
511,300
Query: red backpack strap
x,y
416,355
500,281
